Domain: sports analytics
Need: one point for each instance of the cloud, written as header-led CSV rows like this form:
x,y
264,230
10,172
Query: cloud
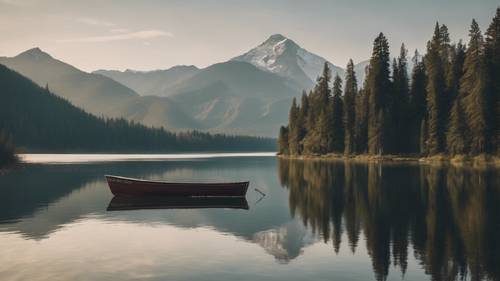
x,y
95,22
144,34
119,30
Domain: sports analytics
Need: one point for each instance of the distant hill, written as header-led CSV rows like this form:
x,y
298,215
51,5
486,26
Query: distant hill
x,y
95,93
151,83
41,121
236,97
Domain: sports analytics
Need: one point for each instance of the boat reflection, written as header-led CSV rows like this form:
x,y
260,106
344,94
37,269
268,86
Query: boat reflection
x,y
125,203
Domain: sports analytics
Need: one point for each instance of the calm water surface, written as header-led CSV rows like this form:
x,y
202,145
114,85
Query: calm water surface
x,y
318,221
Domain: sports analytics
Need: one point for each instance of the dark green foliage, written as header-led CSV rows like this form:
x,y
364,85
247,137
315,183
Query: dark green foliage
x,y
7,151
436,87
401,99
40,121
417,107
457,56
294,129
456,135
283,141
336,127
379,100
451,105
350,92
361,122
319,135
492,54
475,93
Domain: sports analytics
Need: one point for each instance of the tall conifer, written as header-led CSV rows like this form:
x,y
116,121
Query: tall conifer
x,y
492,53
337,125
435,94
350,92
475,92
379,87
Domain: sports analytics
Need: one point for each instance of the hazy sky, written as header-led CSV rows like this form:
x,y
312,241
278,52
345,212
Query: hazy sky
x,y
148,34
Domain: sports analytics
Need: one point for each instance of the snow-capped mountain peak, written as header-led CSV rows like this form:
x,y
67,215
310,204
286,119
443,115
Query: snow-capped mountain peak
x,y
281,55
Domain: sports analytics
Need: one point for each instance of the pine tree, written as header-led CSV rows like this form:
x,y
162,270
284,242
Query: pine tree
x,y
436,100
492,53
456,71
455,137
379,102
417,108
283,141
350,92
293,139
401,101
475,92
322,89
361,122
337,125
319,136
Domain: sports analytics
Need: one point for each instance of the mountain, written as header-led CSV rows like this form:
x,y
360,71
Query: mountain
x,y
236,97
230,97
41,121
151,83
284,57
96,93
249,94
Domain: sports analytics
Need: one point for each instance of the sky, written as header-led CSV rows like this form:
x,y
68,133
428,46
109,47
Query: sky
x,y
154,34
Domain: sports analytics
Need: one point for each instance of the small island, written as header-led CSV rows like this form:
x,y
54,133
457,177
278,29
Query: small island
x,y
446,110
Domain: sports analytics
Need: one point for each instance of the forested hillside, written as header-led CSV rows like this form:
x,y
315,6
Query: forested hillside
x,y
38,120
449,104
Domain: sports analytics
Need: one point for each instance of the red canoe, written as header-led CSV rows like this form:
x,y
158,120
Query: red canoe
x,y
136,187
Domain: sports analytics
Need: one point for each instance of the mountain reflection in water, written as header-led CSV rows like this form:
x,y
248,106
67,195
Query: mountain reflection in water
x,y
317,220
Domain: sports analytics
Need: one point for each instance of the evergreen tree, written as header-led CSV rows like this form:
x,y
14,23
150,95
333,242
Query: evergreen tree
x,y
361,122
319,136
379,102
401,101
475,92
492,53
283,147
322,88
455,137
436,100
350,92
293,134
456,71
417,106
337,125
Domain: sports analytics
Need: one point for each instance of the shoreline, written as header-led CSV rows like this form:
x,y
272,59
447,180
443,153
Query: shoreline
x,y
436,160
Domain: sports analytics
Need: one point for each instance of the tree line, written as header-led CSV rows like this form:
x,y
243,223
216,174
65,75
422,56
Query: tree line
x,y
448,104
39,121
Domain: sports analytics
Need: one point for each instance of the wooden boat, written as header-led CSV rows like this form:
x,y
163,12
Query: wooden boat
x,y
125,203
122,186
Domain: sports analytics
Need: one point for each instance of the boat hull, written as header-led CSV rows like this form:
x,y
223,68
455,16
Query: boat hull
x,y
121,186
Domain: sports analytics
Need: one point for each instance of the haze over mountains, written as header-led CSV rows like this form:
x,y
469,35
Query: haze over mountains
x,y
249,94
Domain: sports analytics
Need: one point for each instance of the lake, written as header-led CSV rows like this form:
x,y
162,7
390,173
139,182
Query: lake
x,y
317,221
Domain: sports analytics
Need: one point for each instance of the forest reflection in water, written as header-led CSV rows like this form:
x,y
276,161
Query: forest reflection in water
x,y
449,216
